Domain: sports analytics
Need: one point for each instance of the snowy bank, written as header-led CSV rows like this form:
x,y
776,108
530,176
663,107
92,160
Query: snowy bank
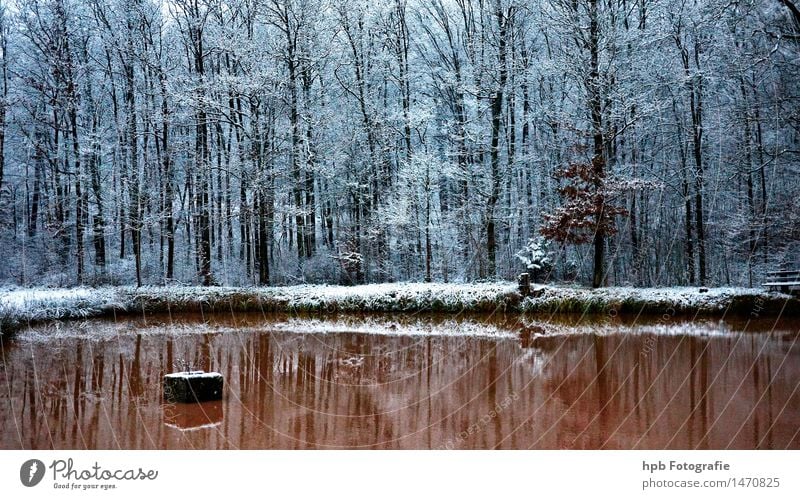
x,y
752,302
23,306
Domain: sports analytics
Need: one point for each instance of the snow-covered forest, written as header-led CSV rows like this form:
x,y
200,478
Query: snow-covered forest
x,y
609,142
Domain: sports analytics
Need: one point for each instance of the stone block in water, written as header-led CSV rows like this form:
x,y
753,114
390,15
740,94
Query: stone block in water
x,y
192,386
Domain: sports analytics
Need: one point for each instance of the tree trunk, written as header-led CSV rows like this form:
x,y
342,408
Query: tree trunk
x,y
202,156
166,165
598,160
3,95
263,240
494,153
695,87
309,184
696,98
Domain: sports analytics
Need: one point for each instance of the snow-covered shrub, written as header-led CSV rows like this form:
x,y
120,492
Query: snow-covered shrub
x,y
351,263
537,259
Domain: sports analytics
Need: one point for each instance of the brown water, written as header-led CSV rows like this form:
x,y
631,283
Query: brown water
x,y
417,383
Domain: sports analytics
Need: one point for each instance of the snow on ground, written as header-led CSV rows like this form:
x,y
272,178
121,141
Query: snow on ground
x,y
38,304
669,301
19,306
369,297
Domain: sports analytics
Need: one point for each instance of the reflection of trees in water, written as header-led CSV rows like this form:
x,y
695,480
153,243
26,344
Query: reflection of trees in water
x,y
193,417
286,390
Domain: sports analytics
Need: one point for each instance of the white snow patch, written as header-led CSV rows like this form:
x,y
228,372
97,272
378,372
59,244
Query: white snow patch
x,y
675,298
18,306
193,375
43,304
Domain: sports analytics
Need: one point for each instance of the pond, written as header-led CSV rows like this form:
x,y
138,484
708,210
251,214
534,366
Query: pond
x,y
418,382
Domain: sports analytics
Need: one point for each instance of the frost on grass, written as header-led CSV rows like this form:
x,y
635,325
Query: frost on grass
x,y
670,301
393,297
22,306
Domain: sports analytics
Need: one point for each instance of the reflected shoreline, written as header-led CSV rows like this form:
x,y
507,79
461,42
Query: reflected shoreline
x,y
354,383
